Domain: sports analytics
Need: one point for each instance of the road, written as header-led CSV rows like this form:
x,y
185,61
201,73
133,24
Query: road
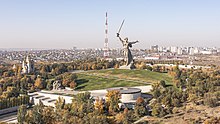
x,y
9,118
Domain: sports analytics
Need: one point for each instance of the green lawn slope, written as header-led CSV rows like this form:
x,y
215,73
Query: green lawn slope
x,y
102,79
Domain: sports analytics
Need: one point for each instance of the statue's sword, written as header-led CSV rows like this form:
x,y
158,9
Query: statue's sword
x,y
121,26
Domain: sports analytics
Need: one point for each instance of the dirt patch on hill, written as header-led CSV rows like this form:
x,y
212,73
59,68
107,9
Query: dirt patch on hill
x,y
189,114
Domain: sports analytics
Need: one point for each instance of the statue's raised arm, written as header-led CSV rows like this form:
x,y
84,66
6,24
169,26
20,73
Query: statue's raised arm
x,y
118,35
134,42
130,43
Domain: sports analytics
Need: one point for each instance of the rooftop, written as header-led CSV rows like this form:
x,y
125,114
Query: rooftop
x,y
125,90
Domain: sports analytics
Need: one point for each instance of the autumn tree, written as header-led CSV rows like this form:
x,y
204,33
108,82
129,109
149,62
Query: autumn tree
x,y
48,115
140,107
142,65
158,110
22,110
73,84
35,116
94,66
210,100
99,106
112,101
82,104
40,83
163,83
125,117
67,78
60,102
10,92
70,68
93,118
116,65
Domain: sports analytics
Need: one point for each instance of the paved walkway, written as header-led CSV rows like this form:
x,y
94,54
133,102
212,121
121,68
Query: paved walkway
x,y
9,118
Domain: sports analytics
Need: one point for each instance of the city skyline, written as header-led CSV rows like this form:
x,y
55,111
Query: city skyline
x,y
56,24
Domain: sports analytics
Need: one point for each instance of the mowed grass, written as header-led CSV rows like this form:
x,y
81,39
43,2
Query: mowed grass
x,y
103,79
142,75
88,82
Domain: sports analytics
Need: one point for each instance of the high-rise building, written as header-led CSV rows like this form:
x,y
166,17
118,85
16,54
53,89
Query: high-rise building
x,y
179,51
161,49
173,49
191,51
154,48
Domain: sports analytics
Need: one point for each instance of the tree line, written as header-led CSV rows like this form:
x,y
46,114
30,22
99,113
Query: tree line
x,y
199,86
83,110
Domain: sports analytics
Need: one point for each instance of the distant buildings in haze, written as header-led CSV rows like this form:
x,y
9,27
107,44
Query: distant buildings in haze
x,y
185,50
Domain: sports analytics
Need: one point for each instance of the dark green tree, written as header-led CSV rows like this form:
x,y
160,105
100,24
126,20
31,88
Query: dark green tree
x,y
22,110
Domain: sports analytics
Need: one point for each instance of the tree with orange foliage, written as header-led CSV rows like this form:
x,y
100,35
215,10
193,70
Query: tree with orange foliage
x,y
112,101
140,107
116,65
125,117
99,106
39,83
73,85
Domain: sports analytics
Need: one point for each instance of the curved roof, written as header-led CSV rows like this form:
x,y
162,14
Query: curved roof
x,y
125,90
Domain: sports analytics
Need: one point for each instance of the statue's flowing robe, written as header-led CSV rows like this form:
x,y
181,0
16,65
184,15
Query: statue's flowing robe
x,y
130,59
127,53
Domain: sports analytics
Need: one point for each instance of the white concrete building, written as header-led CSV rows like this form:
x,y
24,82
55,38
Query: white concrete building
x,y
128,94
27,65
191,51
180,51
173,49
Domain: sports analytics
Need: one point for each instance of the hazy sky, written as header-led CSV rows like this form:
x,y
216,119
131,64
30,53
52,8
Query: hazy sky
x,y
80,23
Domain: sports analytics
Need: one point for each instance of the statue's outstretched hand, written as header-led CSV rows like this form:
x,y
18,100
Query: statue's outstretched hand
x,y
117,34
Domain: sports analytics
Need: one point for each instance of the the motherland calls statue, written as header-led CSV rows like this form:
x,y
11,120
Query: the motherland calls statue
x,y
126,50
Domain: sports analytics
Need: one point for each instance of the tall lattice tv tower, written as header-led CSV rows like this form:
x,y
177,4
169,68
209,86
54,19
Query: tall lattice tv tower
x,y
106,49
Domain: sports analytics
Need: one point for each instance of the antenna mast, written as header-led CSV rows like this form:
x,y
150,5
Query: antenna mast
x,y
106,49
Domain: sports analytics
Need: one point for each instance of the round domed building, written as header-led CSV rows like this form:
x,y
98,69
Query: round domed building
x,y
128,95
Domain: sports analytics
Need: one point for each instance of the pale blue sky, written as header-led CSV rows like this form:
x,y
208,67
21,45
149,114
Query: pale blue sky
x,y
80,23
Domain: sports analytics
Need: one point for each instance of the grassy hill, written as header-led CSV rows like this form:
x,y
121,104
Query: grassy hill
x,y
101,79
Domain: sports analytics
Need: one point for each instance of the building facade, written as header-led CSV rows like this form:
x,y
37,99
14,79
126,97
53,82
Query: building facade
x,y
27,65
